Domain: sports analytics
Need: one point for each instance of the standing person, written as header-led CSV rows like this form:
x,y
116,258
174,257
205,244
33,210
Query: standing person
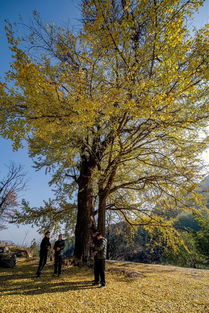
x,y
44,248
100,251
58,254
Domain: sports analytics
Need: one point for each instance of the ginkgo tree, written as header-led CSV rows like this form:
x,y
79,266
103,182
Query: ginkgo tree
x,y
119,108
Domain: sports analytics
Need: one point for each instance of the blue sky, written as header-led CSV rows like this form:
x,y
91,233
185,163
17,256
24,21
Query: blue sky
x,y
61,12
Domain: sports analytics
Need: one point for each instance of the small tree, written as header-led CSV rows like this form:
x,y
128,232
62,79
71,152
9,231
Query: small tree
x,y
34,248
10,186
202,236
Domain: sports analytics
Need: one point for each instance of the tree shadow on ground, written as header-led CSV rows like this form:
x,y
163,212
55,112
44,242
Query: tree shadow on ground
x,y
28,270
21,280
41,287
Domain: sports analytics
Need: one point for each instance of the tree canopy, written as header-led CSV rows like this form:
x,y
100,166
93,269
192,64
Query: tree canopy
x,y
120,108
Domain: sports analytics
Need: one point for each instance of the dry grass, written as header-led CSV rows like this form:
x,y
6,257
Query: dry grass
x,y
133,288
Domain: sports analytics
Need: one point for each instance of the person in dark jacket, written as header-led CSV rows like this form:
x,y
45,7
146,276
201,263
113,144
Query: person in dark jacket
x,y
100,251
44,248
58,254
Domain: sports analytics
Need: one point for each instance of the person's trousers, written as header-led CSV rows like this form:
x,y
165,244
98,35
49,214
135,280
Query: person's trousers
x,y
42,262
57,264
99,271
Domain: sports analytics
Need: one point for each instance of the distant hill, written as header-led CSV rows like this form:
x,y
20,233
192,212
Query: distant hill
x,y
205,182
6,242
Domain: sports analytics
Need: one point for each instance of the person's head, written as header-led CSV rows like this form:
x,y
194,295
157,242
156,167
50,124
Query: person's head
x,y
95,232
99,235
47,234
60,237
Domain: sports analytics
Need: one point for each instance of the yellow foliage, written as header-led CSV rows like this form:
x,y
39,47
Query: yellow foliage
x,y
131,288
129,92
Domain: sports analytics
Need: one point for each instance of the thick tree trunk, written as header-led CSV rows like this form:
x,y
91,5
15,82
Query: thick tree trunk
x,y
85,216
101,213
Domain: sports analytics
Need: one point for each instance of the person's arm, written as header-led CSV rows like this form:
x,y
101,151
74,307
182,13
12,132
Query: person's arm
x,y
48,244
55,246
99,246
62,245
44,245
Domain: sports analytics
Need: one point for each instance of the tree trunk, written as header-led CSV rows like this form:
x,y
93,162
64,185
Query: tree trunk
x,y
85,216
101,213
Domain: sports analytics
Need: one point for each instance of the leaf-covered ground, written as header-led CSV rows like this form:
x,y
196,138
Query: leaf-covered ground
x,y
133,288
